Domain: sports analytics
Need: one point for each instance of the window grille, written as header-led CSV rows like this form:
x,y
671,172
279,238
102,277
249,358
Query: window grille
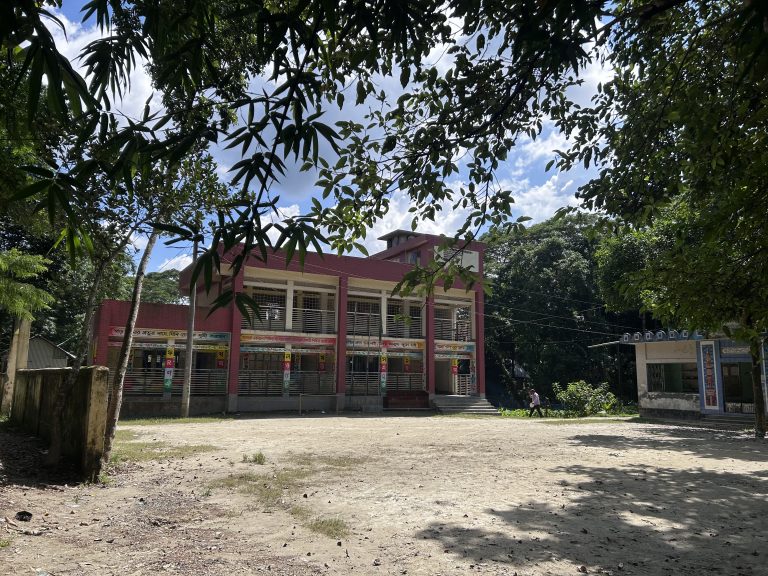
x,y
271,310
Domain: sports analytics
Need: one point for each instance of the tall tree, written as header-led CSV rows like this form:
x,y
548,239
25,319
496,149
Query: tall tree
x,y
545,309
680,140
20,300
683,276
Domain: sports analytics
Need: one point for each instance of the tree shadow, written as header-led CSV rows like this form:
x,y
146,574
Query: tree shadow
x,y
640,520
700,442
22,462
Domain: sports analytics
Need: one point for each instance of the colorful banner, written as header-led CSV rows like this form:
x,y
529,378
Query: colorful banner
x,y
402,344
458,355
407,364
119,332
170,357
454,366
709,374
286,371
161,346
466,347
286,339
221,358
321,362
383,369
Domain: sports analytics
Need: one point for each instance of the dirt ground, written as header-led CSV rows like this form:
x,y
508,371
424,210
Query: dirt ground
x,y
417,495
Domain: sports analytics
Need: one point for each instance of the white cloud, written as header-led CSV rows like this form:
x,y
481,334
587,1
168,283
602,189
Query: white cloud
x,y
71,45
542,201
447,221
178,262
138,241
531,151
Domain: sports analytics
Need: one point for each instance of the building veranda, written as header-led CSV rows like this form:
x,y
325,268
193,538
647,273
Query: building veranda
x,y
327,336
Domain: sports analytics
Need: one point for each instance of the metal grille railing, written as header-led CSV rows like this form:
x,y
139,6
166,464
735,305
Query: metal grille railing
x,y
269,317
739,407
260,383
314,321
405,381
363,324
150,381
401,327
444,330
310,382
270,383
464,385
363,383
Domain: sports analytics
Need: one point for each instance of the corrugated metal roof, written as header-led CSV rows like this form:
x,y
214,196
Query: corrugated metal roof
x,y
45,354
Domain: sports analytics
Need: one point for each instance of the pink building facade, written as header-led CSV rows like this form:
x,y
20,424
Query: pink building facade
x,y
327,336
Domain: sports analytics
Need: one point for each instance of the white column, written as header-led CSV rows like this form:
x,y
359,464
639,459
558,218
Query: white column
x,y
289,306
324,311
383,307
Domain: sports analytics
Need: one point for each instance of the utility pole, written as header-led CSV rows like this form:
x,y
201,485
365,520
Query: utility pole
x,y
189,352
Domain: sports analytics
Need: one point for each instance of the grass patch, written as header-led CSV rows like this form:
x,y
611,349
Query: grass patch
x,y
257,458
4,543
174,420
332,527
342,461
301,513
587,420
128,448
565,414
268,489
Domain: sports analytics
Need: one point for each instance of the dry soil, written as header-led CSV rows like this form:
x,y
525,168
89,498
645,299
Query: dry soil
x,y
418,495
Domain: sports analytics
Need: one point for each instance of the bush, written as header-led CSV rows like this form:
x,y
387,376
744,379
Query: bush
x,y
584,399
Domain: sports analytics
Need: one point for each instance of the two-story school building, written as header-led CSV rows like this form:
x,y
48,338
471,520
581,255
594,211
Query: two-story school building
x,y
685,375
327,336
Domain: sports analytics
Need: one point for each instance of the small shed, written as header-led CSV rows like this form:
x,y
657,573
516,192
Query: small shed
x,y
45,354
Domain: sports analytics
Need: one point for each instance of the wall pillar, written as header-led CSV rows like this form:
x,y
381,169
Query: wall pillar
x,y
429,338
100,344
289,307
234,346
383,309
18,355
480,342
341,342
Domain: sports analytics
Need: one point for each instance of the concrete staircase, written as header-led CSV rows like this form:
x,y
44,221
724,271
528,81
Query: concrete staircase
x,y
464,405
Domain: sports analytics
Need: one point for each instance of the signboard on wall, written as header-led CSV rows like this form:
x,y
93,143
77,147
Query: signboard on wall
x,y
383,369
170,357
286,371
709,374
119,332
401,344
286,339
465,347
162,346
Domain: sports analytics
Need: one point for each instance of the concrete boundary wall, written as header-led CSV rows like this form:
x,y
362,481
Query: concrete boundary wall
x,y
84,419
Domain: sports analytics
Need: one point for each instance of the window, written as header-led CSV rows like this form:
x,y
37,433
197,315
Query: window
x,y
673,378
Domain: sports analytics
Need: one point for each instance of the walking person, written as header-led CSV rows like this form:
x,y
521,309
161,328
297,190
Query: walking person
x,y
535,403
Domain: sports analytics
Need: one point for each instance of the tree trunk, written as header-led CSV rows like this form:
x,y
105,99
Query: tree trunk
x,y
81,356
116,396
189,353
755,349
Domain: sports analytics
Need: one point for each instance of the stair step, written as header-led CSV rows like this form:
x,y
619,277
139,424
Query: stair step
x,y
464,405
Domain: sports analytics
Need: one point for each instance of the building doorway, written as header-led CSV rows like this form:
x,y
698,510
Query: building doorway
x,y
737,387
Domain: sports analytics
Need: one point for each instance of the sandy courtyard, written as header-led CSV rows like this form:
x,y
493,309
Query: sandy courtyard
x,y
421,495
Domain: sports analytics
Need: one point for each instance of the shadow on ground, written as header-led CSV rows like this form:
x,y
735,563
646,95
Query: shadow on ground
x,y
21,462
701,442
633,520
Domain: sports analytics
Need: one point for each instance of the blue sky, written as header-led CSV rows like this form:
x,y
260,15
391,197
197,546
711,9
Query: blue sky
x,y
538,194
